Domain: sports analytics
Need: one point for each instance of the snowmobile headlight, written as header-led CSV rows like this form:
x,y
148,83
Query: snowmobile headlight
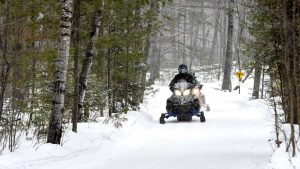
x,y
177,92
186,92
196,91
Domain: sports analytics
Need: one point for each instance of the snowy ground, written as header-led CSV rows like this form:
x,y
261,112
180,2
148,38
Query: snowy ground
x,y
235,136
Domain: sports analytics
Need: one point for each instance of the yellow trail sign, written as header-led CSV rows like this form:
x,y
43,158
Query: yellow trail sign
x,y
239,75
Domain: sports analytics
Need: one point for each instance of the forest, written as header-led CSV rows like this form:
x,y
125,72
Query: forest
x,y
71,61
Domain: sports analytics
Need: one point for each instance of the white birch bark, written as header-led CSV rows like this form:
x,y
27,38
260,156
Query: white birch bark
x,y
87,64
61,65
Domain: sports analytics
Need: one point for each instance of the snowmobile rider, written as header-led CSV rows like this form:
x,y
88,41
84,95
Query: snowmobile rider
x,y
190,78
183,74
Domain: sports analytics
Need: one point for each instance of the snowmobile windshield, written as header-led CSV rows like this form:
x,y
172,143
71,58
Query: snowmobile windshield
x,y
182,84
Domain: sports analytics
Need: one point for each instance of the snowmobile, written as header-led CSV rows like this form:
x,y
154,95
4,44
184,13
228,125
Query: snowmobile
x,y
184,103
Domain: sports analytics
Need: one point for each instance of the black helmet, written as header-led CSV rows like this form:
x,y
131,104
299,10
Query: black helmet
x,y
183,68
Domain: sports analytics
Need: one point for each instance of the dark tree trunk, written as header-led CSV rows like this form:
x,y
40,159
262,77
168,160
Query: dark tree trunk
x,y
76,41
184,35
215,38
16,94
33,86
173,34
109,82
257,77
4,80
226,85
5,64
289,55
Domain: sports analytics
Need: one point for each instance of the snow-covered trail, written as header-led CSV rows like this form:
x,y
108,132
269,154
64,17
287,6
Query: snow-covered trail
x,y
235,136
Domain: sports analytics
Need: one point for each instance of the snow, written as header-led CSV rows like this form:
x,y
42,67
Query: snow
x,y
282,160
234,136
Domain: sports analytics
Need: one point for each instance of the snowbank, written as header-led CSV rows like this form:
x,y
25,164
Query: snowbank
x,y
282,160
91,137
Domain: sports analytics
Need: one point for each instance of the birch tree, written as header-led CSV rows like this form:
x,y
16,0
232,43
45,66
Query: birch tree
x,y
28,43
90,52
61,65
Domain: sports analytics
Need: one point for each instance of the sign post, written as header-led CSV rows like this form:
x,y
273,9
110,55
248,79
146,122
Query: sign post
x,y
239,75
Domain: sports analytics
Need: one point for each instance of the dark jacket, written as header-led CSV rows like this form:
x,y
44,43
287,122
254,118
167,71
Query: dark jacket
x,y
186,76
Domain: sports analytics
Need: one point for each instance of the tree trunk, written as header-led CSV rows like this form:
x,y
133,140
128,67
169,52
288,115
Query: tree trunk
x,y
61,65
296,64
76,41
33,86
87,63
173,35
205,37
4,80
184,35
226,85
154,66
274,102
215,38
16,94
223,36
262,83
109,82
144,69
194,46
257,77
289,48
178,43
241,21
5,64
138,64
